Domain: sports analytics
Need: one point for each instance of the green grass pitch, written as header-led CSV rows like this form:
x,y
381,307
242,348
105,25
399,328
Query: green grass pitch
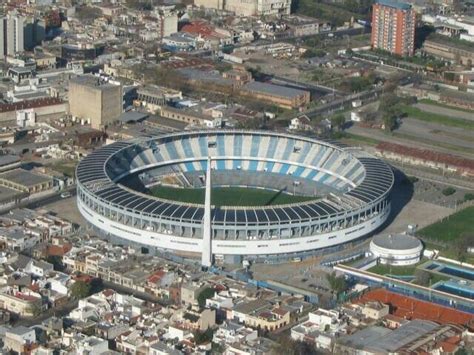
x,y
228,196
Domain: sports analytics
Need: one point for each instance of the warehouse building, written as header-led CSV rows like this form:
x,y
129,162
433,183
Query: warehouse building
x,y
8,162
454,51
275,94
26,181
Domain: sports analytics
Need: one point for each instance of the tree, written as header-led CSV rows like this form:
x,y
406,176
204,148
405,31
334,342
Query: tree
x,y
448,191
138,5
80,289
422,277
389,122
203,337
388,101
338,121
314,52
88,14
205,294
469,197
34,310
287,346
462,244
337,283
57,262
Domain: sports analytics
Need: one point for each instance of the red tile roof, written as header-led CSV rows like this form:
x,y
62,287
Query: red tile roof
x,y
188,63
156,276
59,250
428,155
411,308
199,27
27,104
83,277
451,344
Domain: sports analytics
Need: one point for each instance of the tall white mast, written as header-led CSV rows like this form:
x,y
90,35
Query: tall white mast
x,y
206,256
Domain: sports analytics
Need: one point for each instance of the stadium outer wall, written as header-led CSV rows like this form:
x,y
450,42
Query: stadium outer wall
x,y
234,247
115,221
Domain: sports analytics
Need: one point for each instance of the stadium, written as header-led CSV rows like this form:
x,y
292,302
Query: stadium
x,y
234,194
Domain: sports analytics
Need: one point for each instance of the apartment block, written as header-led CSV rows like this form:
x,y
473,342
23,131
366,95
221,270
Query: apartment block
x,y
393,27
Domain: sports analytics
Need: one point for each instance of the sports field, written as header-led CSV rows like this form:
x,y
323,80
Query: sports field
x,y
452,227
228,196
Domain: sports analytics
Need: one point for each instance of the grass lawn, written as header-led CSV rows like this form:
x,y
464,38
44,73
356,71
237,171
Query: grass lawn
x,y
68,168
358,139
451,227
434,278
447,252
229,196
382,269
435,103
421,115
408,270
335,14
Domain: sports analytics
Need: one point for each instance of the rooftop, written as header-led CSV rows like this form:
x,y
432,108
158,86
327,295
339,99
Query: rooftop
x,y
396,241
24,177
132,116
383,340
407,307
20,330
395,4
427,155
451,42
7,194
8,159
34,103
92,81
275,90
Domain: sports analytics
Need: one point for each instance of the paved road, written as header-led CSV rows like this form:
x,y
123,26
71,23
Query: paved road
x,y
453,181
48,199
44,200
340,104
450,112
379,135
437,133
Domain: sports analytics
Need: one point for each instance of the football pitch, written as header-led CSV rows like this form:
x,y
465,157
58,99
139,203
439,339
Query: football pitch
x,y
228,196
452,227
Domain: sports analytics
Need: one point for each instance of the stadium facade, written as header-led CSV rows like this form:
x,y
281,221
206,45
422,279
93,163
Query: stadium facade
x,y
351,193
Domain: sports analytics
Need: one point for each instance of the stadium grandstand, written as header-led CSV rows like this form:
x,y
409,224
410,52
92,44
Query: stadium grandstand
x,y
347,194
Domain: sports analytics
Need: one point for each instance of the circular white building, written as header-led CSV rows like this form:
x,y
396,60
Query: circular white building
x,y
396,249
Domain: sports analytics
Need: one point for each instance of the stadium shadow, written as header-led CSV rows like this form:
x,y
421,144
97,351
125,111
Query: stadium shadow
x,y
402,193
274,197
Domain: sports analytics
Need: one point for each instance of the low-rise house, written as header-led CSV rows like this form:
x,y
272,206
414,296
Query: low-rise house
x,y
190,292
261,314
20,340
301,123
198,320
231,332
18,238
375,310
91,345
25,304
39,268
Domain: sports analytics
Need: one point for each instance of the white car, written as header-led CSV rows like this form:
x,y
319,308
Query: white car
x,y
66,194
